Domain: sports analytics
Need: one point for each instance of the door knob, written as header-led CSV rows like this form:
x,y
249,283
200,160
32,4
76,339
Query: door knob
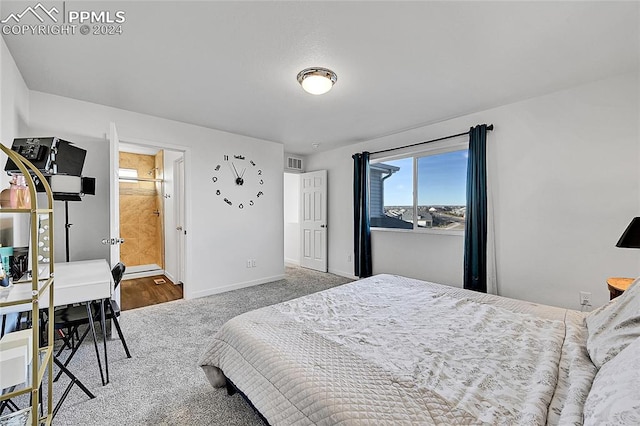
x,y
112,241
323,226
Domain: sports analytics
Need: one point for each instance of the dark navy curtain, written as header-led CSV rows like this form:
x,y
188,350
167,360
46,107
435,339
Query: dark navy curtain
x,y
475,237
361,224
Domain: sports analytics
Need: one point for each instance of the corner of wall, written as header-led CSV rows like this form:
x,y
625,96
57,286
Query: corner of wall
x,y
14,100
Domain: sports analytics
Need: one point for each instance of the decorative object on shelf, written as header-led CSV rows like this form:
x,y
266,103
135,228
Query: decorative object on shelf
x,y
19,262
44,246
20,192
6,253
5,198
4,276
316,80
17,195
238,181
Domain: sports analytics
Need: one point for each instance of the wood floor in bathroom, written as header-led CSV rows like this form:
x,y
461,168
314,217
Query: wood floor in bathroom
x,y
139,292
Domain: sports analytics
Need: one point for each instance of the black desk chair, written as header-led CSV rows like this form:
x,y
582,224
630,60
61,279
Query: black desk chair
x,y
72,317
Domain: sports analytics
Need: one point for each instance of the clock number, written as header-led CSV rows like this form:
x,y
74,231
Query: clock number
x,y
217,167
261,182
215,179
259,194
218,192
250,202
226,200
259,172
240,206
252,163
226,158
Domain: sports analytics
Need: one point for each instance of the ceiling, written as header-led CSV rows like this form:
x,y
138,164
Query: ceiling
x,y
232,65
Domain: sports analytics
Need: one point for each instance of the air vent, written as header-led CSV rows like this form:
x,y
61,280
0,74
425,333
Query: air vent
x,y
294,163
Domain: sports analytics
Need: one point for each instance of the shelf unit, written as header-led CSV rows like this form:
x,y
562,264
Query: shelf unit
x,y
41,290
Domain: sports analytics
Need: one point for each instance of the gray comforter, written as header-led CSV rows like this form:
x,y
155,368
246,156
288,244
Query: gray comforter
x,y
393,350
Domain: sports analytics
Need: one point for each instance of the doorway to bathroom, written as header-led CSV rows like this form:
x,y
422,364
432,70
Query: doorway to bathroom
x,y
149,192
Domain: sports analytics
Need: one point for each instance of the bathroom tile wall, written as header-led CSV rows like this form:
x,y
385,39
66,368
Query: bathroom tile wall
x,y
139,225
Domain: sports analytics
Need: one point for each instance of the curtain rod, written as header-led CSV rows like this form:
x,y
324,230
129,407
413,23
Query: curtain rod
x,y
489,128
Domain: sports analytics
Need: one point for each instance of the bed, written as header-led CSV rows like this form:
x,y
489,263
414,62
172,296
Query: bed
x,y
394,350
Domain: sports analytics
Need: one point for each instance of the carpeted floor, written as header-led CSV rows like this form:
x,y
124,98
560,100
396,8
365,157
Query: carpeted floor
x,y
162,384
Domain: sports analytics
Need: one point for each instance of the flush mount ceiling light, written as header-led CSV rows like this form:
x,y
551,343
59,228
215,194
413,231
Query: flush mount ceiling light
x,y
317,80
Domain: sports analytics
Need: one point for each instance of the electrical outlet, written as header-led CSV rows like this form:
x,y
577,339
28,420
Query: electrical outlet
x,y
253,263
248,263
585,298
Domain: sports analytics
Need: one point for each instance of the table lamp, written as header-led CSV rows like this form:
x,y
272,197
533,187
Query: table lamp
x,y
631,236
630,239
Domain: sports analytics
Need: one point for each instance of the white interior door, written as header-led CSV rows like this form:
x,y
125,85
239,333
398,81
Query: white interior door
x,y
313,220
179,205
114,239
114,196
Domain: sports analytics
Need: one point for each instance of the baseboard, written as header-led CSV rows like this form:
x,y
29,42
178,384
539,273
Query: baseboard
x,y
343,274
235,286
143,274
292,262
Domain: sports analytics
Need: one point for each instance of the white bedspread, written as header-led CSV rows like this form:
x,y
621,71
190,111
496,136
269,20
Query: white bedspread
x,y
393,350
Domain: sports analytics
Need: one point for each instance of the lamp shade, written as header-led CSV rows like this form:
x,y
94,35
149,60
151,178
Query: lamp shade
x,y
631,236
317,84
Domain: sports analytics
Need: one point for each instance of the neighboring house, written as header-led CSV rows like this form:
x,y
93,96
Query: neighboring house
x,y
425,220
378,173
394,218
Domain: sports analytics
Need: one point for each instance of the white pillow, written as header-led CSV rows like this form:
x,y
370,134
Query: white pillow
x,y
614,326
614,398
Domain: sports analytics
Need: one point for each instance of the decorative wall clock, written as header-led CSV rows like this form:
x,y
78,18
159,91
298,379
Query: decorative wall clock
x,y
238,181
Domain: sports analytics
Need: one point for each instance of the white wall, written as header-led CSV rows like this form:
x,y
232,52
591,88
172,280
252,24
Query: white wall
x,y
219,238
170,232
292,218
14,102
14,118
564,168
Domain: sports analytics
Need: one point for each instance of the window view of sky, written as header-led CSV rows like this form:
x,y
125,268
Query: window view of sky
x,y
441,180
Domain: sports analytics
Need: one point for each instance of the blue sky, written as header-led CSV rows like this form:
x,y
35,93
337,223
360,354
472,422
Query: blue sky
x,y
441,180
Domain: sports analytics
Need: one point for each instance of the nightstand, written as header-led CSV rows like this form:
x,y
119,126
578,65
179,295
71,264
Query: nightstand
x,y
617,286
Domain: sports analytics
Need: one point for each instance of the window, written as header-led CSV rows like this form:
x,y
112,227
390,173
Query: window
x,y
426,191
129,175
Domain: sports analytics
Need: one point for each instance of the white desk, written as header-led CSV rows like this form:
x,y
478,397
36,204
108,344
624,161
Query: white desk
x,y
74,282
